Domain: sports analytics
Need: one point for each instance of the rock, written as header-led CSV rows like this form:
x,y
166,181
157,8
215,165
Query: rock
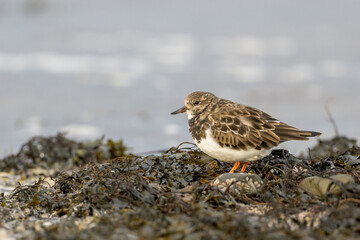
x,y
5,234
239,183
315,185
345,179
319,186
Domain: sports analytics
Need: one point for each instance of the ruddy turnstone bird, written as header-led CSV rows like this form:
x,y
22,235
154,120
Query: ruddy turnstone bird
x,y
234,132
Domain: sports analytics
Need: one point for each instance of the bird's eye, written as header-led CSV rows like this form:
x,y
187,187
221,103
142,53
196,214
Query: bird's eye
x,y
196,102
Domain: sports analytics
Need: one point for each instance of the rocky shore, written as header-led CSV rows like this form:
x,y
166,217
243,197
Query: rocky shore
x,y
57,188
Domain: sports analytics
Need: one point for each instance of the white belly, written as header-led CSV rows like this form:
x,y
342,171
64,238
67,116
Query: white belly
x,y
213,149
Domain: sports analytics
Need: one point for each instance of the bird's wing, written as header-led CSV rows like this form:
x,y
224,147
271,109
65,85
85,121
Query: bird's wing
x,y
243,127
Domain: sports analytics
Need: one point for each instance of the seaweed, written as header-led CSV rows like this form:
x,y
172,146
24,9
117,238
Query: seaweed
x,y
61,152
172,196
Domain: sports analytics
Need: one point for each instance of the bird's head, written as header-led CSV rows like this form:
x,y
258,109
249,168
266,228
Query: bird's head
x,y
195,103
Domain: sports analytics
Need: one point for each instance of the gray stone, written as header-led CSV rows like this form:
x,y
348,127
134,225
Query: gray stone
x,y
239,183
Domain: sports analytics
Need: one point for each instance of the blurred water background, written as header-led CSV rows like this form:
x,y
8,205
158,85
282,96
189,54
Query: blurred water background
x,y
118,68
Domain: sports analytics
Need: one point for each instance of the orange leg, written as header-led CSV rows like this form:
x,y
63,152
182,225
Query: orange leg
x,y
236,165
244,167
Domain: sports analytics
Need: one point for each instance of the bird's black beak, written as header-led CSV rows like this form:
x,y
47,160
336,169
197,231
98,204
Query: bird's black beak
x,y
180,110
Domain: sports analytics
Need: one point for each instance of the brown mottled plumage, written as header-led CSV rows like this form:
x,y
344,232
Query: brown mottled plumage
x,y
234,130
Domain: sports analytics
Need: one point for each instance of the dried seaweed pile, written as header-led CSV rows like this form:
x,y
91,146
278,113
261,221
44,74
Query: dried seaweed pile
x,y
171,196
60,152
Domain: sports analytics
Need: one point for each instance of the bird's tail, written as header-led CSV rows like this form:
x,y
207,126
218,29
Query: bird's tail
x,y
309,134
286,133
